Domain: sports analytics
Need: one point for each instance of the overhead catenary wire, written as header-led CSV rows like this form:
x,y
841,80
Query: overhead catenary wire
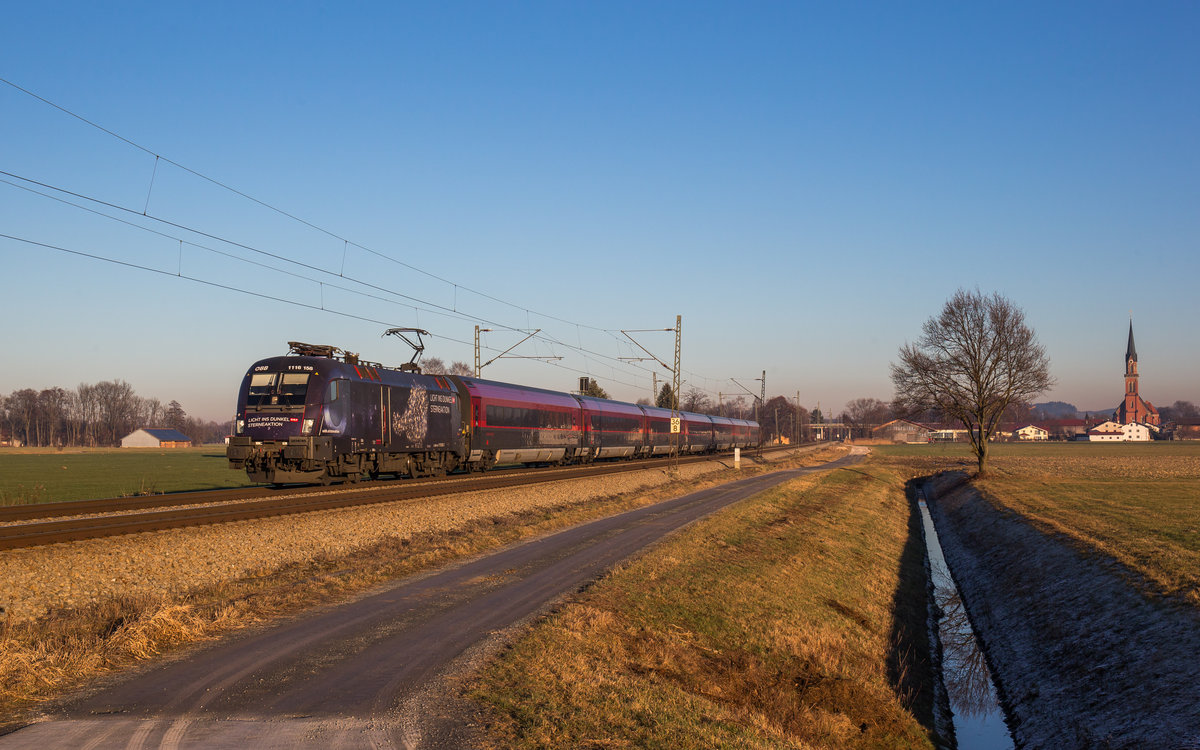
x,y
413,303
250,292
280,211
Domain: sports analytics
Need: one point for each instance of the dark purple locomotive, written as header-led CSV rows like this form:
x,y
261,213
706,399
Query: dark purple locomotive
x,y
320,415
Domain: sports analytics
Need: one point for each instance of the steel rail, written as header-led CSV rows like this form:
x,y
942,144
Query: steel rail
x,y
20,535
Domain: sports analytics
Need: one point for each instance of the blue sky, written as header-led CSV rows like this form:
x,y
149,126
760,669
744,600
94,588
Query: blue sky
x,y
804,183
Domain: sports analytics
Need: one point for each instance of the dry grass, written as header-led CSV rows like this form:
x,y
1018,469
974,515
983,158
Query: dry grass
x,y
770,625
1138,504
43,659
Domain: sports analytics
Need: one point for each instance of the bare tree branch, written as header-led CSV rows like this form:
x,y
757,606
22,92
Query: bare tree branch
x,y
971,362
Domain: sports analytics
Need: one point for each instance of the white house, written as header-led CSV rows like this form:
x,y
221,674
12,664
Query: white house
x,y
1032,432
1111,432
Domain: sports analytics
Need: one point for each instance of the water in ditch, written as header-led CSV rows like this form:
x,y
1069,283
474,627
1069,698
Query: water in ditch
x,y
975,707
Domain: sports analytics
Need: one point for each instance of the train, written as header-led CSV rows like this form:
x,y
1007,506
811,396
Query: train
x,y
321,415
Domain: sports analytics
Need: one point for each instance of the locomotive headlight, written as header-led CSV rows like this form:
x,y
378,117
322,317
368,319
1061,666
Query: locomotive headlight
x,y
241,426
308,427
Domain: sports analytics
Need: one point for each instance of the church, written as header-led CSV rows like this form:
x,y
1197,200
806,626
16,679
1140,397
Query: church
x,y
1134,408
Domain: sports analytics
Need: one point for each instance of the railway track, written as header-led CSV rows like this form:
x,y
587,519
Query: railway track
x,y
50,523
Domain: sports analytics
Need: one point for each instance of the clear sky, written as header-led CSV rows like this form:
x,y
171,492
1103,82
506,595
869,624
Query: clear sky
x,y
805,183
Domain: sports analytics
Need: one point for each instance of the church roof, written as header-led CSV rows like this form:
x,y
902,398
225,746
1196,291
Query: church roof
x,y
1131,350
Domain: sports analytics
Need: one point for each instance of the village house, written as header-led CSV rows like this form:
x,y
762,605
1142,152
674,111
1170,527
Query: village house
x,y
1032,432
1111,431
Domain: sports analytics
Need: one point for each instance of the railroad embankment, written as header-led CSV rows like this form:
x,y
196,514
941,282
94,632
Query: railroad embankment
x,y
1084,651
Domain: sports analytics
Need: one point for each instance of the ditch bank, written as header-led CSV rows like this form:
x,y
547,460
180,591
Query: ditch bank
x,y
1081,657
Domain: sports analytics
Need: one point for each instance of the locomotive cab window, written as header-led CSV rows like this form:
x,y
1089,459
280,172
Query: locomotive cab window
x,y
277,389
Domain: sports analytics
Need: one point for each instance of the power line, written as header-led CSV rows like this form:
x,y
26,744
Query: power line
x,y
431,307
240,290
280,211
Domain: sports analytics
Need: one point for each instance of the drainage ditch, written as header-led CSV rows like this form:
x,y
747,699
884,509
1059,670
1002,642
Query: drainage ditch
x,y
968,693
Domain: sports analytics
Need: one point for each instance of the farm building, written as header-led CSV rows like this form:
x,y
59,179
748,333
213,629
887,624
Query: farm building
x,y
902,431
156,437
1186,429
1032,432
949,434
1066,429
1112,432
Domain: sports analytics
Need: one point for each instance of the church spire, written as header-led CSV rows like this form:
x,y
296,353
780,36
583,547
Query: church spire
x,y
1130,350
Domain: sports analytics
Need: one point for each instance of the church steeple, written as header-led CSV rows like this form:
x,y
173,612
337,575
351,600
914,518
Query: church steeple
x,y
1134,408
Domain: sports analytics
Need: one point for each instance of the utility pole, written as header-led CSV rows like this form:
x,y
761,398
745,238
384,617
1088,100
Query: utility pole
x,y
675,397
799,421
478,330
654,387
762,396
676,422
762,399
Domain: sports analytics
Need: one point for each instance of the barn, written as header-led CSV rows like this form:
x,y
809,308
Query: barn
x,y
902,431
156,437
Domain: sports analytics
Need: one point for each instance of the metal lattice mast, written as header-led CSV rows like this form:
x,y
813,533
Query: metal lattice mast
x,y
675,392
477,329
762,400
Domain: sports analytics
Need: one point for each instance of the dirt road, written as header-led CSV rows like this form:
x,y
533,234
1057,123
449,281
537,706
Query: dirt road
x,y
360,675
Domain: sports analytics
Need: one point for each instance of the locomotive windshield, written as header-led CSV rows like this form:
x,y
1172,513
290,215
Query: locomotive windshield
x,y
277,389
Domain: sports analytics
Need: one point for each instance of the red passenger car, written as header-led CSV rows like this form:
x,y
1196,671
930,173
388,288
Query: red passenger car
x,y
613,429
513,424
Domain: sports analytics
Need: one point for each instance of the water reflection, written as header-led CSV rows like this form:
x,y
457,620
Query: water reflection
x,y
978,720
966,676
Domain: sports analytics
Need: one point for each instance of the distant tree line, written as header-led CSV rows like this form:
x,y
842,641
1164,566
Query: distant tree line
x,y
437,366
94,415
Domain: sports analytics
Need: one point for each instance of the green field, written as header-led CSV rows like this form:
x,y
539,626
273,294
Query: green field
x,y
1138,503
41,476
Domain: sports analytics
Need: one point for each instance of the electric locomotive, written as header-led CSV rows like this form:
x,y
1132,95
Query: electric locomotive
x,y
321,414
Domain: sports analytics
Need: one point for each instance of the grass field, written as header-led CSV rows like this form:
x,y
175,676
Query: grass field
x,y
1138,503
784,622
47,475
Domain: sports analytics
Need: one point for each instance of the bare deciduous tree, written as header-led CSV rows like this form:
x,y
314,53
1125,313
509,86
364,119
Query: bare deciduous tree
x,y
695,400
970,362
866,413
433,366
